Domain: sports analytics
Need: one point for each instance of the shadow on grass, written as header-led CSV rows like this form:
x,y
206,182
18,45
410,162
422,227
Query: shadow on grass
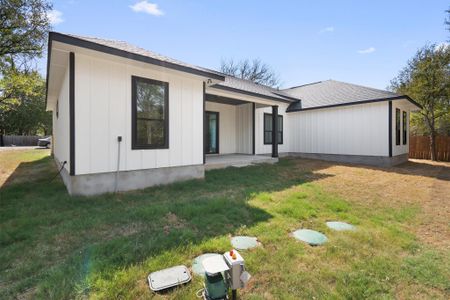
x,y
59,239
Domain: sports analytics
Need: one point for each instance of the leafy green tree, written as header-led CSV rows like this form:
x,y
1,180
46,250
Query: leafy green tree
x,y
426,78
28,115
24,25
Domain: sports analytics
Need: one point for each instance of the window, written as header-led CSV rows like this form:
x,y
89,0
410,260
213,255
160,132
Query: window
x,y
150,113
397,126
268,129
405,126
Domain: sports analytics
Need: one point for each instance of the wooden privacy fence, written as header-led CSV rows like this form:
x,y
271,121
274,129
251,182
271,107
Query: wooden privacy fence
x,y
419,147
21,140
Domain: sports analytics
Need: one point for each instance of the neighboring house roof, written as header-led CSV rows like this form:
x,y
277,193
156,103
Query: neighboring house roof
x,y
124,49
248,87
331,93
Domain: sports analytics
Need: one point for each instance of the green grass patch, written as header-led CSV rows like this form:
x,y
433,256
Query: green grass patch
x,y
59,247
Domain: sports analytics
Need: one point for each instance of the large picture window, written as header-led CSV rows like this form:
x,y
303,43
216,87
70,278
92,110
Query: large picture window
x,y
150,113
268,128
397,126
405,126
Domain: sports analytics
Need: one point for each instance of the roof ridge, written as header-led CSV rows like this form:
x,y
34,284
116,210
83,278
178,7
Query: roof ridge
x,y
306,84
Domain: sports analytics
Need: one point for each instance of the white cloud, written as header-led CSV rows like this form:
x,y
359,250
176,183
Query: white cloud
x,y
367,51
147,7
327,29
55,17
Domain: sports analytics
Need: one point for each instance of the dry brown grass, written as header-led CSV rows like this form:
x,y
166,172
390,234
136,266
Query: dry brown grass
x,y
421,183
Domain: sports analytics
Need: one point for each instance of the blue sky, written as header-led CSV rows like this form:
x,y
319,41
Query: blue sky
x,y
363,42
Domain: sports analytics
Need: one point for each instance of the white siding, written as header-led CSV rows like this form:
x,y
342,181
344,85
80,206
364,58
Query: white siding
x,y
227,126
259,129
349,130
61,125
244,128
103,112
400,149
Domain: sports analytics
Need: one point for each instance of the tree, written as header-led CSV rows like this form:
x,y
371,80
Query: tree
x,y
254,70
426,78
27,116
24,25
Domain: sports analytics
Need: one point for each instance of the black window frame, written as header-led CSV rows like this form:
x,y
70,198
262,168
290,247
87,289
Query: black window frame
x,y
280,129
134,144
405,127
397,126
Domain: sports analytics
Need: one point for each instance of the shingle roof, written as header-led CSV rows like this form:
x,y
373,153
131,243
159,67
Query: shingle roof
x,y
331,92
125,49
251,88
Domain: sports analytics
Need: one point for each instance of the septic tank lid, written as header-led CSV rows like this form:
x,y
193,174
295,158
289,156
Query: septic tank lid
x,y
314,238
167,278
244,242
340,226
197,264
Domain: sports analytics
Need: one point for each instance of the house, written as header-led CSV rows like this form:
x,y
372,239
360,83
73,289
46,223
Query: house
x,y
126,118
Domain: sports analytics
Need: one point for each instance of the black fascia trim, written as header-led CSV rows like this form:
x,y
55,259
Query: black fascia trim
x,y
134,145
230,89
390,128
287,97
55,36
358,102
72,112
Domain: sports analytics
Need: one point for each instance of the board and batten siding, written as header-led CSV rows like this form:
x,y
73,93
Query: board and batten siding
x,y
260,148
61,124
347,130
235,127
103,112
244,128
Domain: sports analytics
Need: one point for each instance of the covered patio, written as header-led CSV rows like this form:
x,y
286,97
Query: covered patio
x,y
236,160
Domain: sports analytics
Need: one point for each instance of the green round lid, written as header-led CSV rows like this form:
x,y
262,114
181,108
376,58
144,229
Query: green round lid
x,y
340,226
197,263
244,242
314,238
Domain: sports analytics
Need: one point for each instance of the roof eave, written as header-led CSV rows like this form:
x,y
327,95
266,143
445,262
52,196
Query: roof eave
x,y
235,90
359,102
74,41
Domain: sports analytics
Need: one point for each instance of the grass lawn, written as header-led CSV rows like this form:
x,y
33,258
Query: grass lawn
x,y
53,246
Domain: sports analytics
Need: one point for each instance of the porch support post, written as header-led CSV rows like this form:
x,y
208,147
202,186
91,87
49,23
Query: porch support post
x,y
254,125
275,131
204,122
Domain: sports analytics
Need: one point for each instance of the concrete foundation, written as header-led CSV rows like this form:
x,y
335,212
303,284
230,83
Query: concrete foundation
x,y
100,183
378,161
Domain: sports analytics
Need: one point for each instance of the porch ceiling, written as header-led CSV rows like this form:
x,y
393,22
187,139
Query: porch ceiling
x,y
224,100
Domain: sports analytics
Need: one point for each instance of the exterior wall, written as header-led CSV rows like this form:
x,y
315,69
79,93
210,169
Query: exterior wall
x,y
347,130
61,125
400,149
227,126
244,128
235,127
260,148
103,112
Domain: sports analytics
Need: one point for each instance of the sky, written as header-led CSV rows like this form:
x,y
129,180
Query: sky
x,y
362,42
